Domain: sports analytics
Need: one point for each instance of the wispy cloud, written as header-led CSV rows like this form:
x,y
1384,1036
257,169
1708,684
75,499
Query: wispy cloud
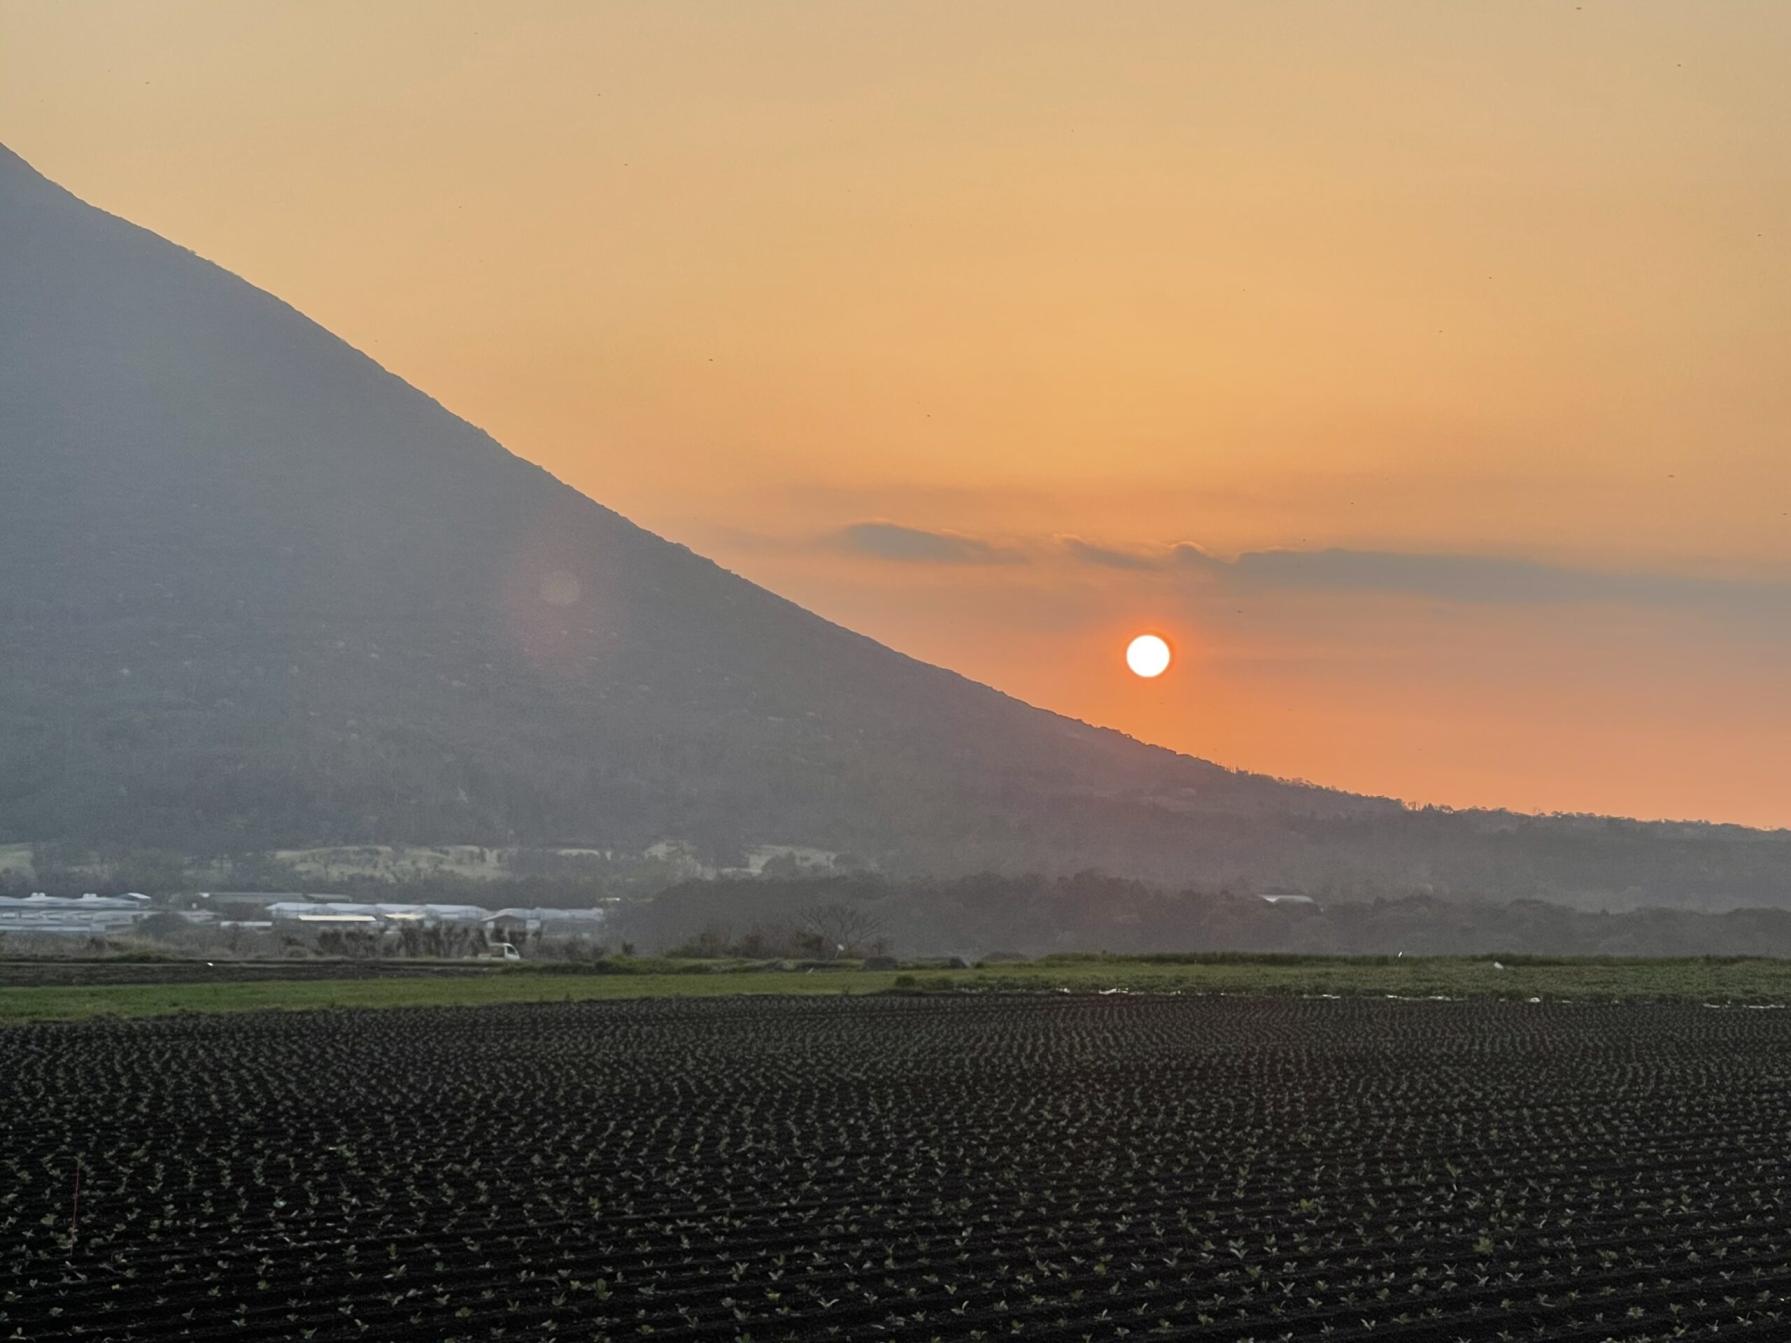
x,y
1109,557
917,545
1461,578
1471,578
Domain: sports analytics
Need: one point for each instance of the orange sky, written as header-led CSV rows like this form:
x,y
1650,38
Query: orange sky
x,y
951,321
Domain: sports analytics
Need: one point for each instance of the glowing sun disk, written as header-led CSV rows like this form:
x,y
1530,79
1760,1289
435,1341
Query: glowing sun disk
x,y
1148,655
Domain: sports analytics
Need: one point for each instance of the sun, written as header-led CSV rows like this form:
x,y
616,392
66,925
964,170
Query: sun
x,y
1148,655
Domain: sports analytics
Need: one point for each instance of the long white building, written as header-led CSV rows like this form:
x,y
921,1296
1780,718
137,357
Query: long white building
x,y
320,914
71,916
317,915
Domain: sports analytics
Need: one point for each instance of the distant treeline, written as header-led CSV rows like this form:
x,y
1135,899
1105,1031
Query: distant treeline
x,y
975,917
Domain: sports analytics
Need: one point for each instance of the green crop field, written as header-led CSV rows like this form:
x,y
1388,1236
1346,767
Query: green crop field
x,y
1703,980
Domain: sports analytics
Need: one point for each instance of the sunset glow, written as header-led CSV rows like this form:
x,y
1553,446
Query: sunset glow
x,y
1426,360
957,662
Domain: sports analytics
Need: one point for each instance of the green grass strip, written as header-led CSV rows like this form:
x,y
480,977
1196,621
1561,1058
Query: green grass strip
x,y
1697,980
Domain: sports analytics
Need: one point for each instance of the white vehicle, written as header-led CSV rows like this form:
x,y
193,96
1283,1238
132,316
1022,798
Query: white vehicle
x,y
500,951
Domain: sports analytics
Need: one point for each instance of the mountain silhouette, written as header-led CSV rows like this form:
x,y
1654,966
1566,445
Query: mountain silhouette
x,y
258,591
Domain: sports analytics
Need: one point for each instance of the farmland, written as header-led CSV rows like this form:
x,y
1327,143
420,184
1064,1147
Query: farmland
x,y
1054,1167
58,989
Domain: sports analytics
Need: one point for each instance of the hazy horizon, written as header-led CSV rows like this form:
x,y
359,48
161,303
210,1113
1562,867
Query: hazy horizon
x,y
1427,392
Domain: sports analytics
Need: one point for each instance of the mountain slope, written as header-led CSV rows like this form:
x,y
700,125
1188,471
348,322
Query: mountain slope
x,y
258,590
260,587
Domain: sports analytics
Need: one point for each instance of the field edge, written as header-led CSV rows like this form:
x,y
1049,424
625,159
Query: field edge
x,y
1741,982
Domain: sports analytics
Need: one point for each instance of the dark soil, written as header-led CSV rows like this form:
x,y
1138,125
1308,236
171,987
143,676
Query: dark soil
x,y
907,1168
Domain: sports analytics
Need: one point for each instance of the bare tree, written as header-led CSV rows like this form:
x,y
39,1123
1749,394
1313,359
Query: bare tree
x,y
842,930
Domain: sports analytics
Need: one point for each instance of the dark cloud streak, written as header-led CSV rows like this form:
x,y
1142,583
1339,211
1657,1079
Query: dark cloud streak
x,y
1108,557
1478,579
1460,578
916,545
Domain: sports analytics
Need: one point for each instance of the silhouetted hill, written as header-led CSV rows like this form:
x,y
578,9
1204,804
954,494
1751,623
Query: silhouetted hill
x,y
259,591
